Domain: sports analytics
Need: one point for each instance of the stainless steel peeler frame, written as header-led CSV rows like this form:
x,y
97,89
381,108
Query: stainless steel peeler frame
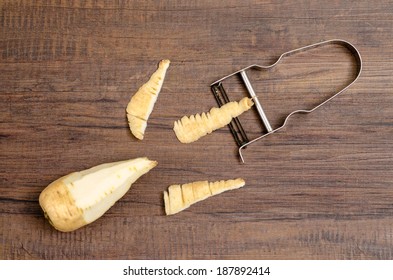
x,y
236,127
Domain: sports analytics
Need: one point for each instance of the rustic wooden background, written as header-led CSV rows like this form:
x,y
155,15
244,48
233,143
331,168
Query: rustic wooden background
x,y
320,189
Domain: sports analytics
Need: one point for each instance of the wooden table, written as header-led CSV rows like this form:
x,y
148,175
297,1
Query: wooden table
x,y
322,188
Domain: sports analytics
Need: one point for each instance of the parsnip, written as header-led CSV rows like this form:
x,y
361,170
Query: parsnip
x,y
190,129
80,198
142,102
180,197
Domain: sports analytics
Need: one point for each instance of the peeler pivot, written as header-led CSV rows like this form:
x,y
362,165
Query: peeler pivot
x,y
236,127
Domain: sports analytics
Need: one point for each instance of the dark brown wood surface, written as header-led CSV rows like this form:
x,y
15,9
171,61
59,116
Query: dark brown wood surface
x,y
322,188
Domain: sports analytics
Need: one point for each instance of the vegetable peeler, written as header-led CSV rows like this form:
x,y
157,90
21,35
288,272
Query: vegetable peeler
x,y
236,127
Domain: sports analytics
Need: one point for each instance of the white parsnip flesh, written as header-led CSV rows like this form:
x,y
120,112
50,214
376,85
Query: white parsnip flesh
x,y
80,198
190,129
180,197
142,102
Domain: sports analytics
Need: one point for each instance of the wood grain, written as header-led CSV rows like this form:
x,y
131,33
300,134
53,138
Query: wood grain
x,y
319,189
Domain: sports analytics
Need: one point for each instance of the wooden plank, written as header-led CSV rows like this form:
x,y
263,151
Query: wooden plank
x,y
319,189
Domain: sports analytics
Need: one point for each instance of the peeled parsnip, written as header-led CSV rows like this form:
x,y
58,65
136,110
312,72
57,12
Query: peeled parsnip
x,y
142,102
80,198
180,197
190,129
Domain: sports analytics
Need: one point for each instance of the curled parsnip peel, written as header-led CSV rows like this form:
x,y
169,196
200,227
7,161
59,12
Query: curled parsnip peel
x,y
180,197
80,198
142,102
190,129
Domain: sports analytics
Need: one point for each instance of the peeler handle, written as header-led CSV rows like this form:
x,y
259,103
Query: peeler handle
x,y
354,51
